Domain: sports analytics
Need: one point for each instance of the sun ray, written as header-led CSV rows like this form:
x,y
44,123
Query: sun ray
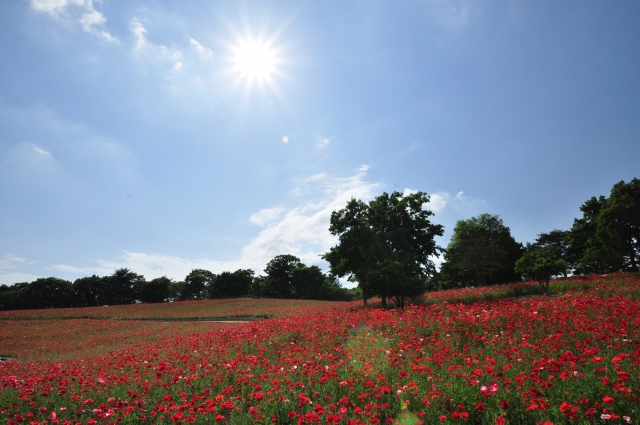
x,y
254,60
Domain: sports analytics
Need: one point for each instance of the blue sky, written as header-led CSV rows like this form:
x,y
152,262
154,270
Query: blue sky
x,y
132,135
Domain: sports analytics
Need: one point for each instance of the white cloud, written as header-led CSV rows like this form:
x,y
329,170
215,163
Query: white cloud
x,y
303,231
460,203
29,160
437,203
138,32
16,277
323,142
266,216
151,50
89,18
148,265
53,6
204,52
36,149
11,261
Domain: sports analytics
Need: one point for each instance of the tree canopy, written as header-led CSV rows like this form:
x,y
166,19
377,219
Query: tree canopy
x,y
607,236
386,245
541,264
559,239
481,252
197,283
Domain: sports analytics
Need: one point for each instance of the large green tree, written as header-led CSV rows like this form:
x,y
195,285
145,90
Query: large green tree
x,y
386,245
542,264
122,287
156,290
481,252
91,291
232,284
197,283
12,297
559,239
619,223
607,236
49,292
308,283
279,278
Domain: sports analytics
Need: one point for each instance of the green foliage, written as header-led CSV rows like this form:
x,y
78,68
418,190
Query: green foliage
x,y
482,251
559,239
607,237
156,290
308,282
288,277
49,292
541,264
123,287
279,279
385,245
177,291
12,297
232,285
90,291
197,282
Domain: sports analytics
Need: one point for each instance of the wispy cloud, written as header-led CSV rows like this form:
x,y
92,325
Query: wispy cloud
x,y
266,216
204,52
89,18
152,50
460,197
32,149
138,32
323,142
11,261
440,200
8,276
61,154
302,231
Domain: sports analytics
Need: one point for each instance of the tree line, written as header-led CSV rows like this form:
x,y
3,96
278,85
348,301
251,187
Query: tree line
x,y
387,247
605,239
286,277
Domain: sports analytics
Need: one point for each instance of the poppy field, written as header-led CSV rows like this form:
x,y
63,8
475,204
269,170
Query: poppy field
x,y
227,308
570,358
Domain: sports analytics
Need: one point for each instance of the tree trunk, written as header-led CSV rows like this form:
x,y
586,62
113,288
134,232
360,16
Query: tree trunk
x,y
384,301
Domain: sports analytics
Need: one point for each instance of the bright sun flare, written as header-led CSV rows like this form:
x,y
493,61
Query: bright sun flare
x,y
254,60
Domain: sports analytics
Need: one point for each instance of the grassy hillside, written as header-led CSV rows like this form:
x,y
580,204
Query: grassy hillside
x,y
226,308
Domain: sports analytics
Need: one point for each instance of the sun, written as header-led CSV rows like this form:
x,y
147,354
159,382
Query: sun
x,y
254,59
